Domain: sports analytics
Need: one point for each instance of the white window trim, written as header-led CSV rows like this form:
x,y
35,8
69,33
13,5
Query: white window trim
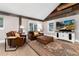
x,y
2,28
48,27
54,26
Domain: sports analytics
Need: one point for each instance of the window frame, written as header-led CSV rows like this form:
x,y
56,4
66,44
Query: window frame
x,y
1,28
34,28
50,29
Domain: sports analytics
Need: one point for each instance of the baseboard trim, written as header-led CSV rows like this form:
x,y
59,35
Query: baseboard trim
x,y
2,41
77,41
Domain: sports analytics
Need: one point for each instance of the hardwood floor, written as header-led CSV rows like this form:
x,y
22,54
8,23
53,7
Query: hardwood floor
x,y
34,48
22,51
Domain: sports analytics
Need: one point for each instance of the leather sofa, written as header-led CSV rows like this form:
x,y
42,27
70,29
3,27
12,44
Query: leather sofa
x,y
33,35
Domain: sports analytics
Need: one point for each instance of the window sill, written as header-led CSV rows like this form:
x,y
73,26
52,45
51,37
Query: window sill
x,y
1,28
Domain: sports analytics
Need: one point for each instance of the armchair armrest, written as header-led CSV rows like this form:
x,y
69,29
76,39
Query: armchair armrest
x,y
12,37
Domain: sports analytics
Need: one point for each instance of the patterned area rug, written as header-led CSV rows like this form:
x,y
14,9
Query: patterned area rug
x,y
56,48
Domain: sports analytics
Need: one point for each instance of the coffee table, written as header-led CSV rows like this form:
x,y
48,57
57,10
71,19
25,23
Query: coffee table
x,y
45,39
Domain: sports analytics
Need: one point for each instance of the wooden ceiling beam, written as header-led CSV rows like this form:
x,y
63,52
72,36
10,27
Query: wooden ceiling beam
x,y
60,12
65,6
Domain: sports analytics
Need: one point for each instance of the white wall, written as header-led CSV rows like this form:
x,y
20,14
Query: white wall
x,y
46,28
53,33
25,24
10,24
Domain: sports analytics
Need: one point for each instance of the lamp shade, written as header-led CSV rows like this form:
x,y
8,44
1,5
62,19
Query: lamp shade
x,y
21,26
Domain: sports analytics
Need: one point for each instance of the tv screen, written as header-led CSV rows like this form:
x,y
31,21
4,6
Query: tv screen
x,y
66,25
69,24
59,25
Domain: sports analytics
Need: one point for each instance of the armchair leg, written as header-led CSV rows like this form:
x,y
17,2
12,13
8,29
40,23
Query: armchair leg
x,y
6,50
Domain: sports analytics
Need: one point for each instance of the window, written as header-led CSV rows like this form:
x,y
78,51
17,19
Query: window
x,y
1,22
33,27
50,26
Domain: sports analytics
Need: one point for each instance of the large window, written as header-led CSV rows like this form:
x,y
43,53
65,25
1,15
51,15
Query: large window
x,y
50,26
32,27
1,22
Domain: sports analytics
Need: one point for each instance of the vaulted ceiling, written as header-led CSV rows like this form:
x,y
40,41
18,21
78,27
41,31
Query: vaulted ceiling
x,y
35,10
64,10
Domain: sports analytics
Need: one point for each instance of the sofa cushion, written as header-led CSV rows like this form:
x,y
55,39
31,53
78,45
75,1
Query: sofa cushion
x,y
17,34
36,33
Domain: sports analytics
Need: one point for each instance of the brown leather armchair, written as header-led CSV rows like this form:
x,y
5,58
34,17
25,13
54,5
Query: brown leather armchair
x,y
18,40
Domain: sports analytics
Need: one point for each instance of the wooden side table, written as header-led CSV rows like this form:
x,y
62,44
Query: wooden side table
x,y
11,40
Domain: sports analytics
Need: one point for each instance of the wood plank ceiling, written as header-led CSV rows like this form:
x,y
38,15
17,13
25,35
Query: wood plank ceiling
x,y
63,10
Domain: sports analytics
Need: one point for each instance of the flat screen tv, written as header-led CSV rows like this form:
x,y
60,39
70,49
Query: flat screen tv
x,y
59,25
66,25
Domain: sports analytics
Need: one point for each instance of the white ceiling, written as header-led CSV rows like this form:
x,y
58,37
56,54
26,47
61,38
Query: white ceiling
x,y
35,10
